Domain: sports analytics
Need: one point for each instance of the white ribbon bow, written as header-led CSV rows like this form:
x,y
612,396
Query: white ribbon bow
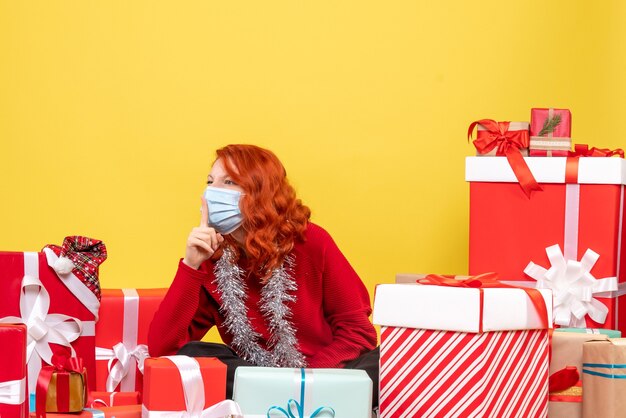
x,y
573,287
126,356
13,392
43,328
193,388
121,362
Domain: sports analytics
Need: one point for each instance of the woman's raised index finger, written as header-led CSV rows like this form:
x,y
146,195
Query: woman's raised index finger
x,y
204,213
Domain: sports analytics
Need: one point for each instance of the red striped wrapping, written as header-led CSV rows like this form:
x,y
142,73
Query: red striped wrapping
x,y
426,373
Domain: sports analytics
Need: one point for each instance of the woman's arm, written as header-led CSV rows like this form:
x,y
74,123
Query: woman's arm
x,y
347,308
183,315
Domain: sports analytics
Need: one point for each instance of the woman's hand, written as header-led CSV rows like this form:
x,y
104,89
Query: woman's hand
x,y
203,240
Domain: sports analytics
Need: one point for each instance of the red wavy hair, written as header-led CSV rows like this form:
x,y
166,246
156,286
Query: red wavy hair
x,y
273,218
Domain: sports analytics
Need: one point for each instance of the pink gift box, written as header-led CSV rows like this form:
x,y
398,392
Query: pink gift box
x,y
547,137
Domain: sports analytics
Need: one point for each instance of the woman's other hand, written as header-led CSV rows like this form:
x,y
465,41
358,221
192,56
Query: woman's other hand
x,y
203,240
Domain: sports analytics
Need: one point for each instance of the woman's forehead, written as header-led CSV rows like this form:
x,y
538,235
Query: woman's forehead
x,y
219,170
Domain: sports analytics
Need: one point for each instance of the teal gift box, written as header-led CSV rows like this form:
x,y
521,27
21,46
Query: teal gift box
x,y
302,393
611,333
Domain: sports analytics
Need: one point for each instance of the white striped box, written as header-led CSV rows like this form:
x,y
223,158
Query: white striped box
x,y
436,363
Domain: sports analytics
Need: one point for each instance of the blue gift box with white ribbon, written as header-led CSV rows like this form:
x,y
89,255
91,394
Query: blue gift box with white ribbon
x,y
264,392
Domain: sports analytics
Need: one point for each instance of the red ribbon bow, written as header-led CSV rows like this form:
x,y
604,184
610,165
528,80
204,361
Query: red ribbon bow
x,y
583,150
63,366
488,280
563,379
509,144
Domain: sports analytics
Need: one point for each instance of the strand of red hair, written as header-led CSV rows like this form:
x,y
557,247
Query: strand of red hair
x,y
274,219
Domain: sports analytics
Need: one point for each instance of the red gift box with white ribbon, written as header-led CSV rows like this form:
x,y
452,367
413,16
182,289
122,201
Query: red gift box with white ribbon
x,y
462,351
177,386
13,390
58,308
567,237
122,337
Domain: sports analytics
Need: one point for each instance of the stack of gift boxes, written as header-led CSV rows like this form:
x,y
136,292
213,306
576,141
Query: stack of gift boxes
x,y
543,218
533,331
70,349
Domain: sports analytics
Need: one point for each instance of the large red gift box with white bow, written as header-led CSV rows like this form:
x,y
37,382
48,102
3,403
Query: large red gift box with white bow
x,y
57,307
13,391
567,237
122,337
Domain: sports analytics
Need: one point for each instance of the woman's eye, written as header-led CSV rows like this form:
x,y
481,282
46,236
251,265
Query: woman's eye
x,y
209,182
230,182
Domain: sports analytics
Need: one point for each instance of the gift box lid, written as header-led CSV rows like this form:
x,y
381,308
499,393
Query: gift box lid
x,y
261,390
456,308
591,170
611,333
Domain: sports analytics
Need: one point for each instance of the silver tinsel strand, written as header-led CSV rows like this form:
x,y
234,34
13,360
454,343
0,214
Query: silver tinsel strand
x,y
274,298
229,278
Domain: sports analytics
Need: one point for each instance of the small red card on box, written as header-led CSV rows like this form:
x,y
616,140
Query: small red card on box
x,y
163,388
13,390
125,316
52,303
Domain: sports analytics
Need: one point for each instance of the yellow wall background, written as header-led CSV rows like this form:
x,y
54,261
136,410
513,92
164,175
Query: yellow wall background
x,y
110,113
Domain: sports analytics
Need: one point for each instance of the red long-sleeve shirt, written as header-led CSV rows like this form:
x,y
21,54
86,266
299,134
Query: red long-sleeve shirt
x,y
330,314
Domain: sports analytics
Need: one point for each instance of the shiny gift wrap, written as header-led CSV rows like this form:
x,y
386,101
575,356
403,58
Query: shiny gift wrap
x,y
462,351
13,399
302,393
604,378
61,387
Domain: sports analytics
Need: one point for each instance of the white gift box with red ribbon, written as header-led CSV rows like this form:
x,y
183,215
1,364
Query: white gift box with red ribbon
x,y
452,351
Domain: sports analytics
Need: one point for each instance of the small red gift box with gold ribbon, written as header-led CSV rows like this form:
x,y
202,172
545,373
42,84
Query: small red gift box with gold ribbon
x,y
62,387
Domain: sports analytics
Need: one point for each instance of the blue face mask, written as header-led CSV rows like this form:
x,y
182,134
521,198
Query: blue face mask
x,y
224,213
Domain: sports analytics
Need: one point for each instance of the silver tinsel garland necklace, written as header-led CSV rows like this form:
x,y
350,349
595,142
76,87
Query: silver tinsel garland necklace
x,y
275,295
